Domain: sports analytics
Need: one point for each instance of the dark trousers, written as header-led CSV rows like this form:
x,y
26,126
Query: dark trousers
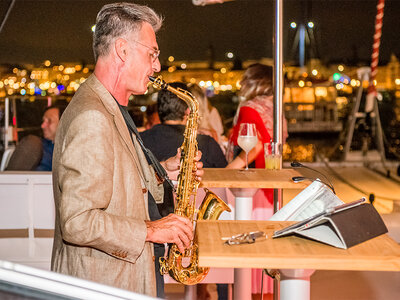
x,y
159,252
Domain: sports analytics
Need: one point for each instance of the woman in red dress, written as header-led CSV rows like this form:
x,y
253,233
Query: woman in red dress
x,y
257,108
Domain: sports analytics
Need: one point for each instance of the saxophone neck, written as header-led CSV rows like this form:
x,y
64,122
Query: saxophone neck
x,y
182,94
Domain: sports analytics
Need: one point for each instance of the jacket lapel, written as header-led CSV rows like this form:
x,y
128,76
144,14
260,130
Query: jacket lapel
x,y
112,107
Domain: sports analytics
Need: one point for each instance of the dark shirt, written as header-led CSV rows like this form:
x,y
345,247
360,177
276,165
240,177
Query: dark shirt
x,y
47,159
164,140
154,213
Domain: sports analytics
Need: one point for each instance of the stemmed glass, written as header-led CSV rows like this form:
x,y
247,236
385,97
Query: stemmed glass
x,y
247,139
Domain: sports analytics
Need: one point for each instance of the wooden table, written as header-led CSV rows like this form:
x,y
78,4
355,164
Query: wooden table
x,y
244,184
253,178
378,254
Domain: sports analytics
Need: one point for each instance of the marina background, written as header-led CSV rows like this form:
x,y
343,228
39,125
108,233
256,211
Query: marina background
x,y
45,54
317,102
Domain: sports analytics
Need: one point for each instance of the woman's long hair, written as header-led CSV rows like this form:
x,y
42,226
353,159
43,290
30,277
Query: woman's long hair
x,y
256,81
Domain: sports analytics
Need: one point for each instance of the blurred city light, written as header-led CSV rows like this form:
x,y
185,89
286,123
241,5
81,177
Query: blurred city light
x,y
336,76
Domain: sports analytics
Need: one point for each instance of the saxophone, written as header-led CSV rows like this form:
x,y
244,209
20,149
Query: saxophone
x,y
210,209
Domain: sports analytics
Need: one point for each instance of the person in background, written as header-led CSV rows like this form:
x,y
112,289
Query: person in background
x,y
49,126
257,107
108,228
151,116
163,140
34,153
210,119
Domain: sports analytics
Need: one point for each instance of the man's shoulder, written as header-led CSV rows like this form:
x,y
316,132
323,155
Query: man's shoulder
x,y
87,98
205,138
213,155
85,95
206,142
47,143
152,131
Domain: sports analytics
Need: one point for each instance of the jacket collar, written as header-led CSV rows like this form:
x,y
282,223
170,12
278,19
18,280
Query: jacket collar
x,y
112,107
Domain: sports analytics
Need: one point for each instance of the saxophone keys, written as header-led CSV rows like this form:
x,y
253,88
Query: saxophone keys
x,y
177,253
163,266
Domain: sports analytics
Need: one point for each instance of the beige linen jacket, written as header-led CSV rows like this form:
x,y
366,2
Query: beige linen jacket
x,y
100,182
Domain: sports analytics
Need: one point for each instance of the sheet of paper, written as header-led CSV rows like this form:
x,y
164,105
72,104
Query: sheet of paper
x,y
314,199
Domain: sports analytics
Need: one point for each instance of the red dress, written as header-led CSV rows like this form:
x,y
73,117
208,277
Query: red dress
x,y
250,115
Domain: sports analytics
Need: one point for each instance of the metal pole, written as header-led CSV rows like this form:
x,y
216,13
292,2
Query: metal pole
x,y
278,114
7,14
302,46
278,85
6,121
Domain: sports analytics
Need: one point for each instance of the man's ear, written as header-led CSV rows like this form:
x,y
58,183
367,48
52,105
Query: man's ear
x,y
121,49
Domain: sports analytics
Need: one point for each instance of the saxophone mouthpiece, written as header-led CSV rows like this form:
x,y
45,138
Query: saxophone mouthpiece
x,y
158,83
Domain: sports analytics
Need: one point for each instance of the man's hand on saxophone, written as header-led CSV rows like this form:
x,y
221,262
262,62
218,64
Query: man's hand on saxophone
x,y
171,229
199,166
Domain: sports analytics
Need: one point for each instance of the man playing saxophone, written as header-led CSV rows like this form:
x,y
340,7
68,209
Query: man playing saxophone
x,y
104,189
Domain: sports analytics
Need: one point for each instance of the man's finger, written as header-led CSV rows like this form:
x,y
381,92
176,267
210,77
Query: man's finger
x,y
179,244
198,155
184,239
185,229
182,224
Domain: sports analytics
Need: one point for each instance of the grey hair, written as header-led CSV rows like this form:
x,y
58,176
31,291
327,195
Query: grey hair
x,y
118,20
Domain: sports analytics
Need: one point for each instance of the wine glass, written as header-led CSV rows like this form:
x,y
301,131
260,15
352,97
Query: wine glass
x,y
247,138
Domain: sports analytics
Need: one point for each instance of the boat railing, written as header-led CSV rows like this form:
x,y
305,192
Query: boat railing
x,y
314,116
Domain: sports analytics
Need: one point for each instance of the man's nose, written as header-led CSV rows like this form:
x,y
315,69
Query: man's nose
x,y
157,66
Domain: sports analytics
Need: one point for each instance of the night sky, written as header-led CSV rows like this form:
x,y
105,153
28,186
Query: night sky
x,y
61,30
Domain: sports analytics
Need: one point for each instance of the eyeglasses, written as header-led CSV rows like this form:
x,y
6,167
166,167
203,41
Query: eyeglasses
x,y
155,53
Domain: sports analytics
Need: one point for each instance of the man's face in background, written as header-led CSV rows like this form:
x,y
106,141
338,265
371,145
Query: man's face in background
x,y
50,123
